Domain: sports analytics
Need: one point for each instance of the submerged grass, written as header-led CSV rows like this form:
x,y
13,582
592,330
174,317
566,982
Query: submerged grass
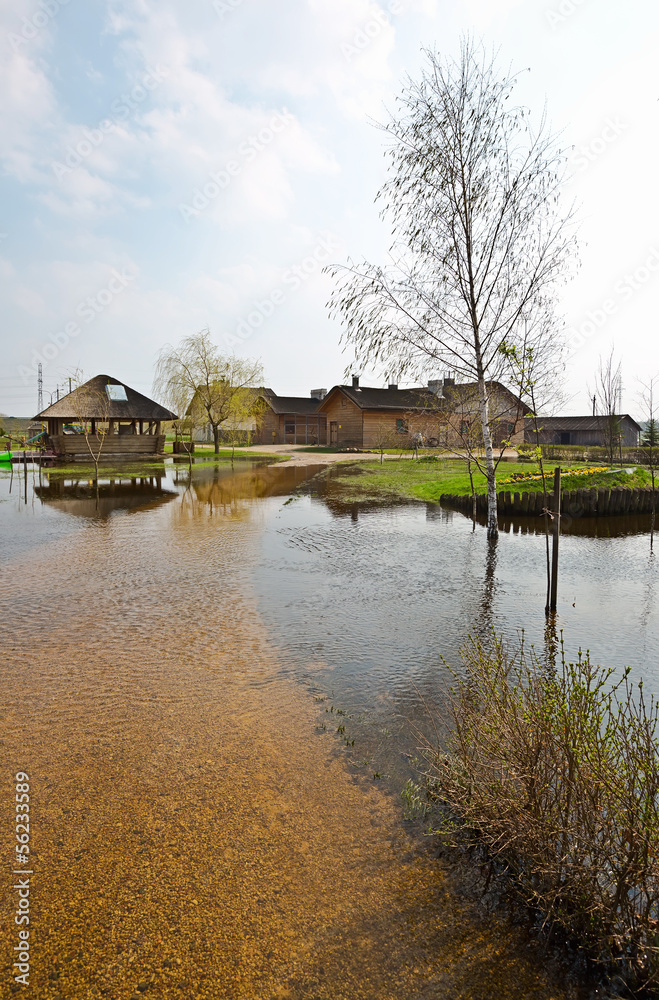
x,y
554,768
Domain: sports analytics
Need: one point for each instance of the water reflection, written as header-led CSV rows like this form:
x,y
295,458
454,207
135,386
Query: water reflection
x,y
200,831
82,497
382,594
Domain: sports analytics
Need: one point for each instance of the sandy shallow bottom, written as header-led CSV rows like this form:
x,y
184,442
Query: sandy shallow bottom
x,y
193,833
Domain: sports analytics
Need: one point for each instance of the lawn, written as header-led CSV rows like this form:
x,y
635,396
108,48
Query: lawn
x,y
428,480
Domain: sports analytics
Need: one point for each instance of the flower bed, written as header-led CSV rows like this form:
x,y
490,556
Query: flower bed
x,y
524,477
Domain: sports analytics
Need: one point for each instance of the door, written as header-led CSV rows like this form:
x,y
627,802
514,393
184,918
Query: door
x,y
334,432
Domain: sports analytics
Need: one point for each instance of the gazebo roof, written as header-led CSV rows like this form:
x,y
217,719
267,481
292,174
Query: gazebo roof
x,y
134,407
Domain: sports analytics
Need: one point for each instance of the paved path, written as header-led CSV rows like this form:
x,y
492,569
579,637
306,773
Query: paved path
x,y
298,456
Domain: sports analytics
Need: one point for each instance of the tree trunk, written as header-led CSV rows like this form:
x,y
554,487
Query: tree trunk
x,y
216,438
490,470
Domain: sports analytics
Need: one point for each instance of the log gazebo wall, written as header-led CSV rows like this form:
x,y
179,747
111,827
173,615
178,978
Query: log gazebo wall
x,y
112,445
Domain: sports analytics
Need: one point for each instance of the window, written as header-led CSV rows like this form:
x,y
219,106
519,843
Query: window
x,y
401,426
289,427
116,392
344,401
464,428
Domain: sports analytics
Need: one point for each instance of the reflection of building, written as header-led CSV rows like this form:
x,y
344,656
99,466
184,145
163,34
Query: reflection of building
x,y
592,431
82,498
107,414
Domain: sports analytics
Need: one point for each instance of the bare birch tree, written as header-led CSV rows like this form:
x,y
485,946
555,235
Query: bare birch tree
x,y
480,239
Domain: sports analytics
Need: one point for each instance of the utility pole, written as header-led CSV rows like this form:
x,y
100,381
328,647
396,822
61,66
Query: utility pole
x,y
40,387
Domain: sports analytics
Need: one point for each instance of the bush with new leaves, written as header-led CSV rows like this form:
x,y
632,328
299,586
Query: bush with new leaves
x,y
555,768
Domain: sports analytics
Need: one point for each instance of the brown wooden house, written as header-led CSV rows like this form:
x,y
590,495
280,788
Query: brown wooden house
x,y
441,414
291,419
105,413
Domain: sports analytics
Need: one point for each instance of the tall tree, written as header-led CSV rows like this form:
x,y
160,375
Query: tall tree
x,y
480,240
194,378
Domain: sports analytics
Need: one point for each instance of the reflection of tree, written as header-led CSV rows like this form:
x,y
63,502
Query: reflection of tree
x,y
229,492
486,618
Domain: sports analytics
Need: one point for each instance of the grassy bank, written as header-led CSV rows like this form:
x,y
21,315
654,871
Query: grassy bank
x,y
428,479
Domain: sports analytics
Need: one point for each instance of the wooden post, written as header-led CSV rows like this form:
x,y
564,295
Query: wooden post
x,y
557,532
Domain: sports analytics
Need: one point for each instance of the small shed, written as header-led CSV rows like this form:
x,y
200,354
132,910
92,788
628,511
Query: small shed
x,y
593,431
107,414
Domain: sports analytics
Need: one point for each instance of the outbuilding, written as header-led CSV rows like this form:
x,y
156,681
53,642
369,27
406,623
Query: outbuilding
x,y
107,415
593,431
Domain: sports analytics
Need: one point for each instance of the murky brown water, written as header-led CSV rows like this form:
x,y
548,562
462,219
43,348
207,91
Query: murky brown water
x,y
194,833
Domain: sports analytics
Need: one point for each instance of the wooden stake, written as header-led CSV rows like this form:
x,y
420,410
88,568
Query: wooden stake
x,y
557,532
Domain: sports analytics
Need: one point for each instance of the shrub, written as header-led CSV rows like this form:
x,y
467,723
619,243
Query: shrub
x,y
555,769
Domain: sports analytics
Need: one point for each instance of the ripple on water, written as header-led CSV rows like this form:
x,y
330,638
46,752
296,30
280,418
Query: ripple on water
x,y
194,835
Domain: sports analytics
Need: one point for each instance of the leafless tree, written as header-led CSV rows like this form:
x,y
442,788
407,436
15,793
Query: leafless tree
x,y
91,406
608,391
480,240
383,436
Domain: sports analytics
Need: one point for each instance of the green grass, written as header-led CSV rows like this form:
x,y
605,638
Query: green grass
x,y
206,451
370,480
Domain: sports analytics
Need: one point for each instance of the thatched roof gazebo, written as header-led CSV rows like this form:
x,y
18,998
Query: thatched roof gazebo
x,y
105,413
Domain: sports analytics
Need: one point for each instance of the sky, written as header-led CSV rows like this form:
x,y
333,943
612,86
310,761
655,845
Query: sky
x,y
167,167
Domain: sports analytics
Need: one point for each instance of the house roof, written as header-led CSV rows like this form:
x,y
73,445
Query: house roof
x,y
419,398
289,404
589,423
367,398
134,407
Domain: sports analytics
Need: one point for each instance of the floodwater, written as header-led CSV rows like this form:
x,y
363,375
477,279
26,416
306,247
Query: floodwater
x,y
203,678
